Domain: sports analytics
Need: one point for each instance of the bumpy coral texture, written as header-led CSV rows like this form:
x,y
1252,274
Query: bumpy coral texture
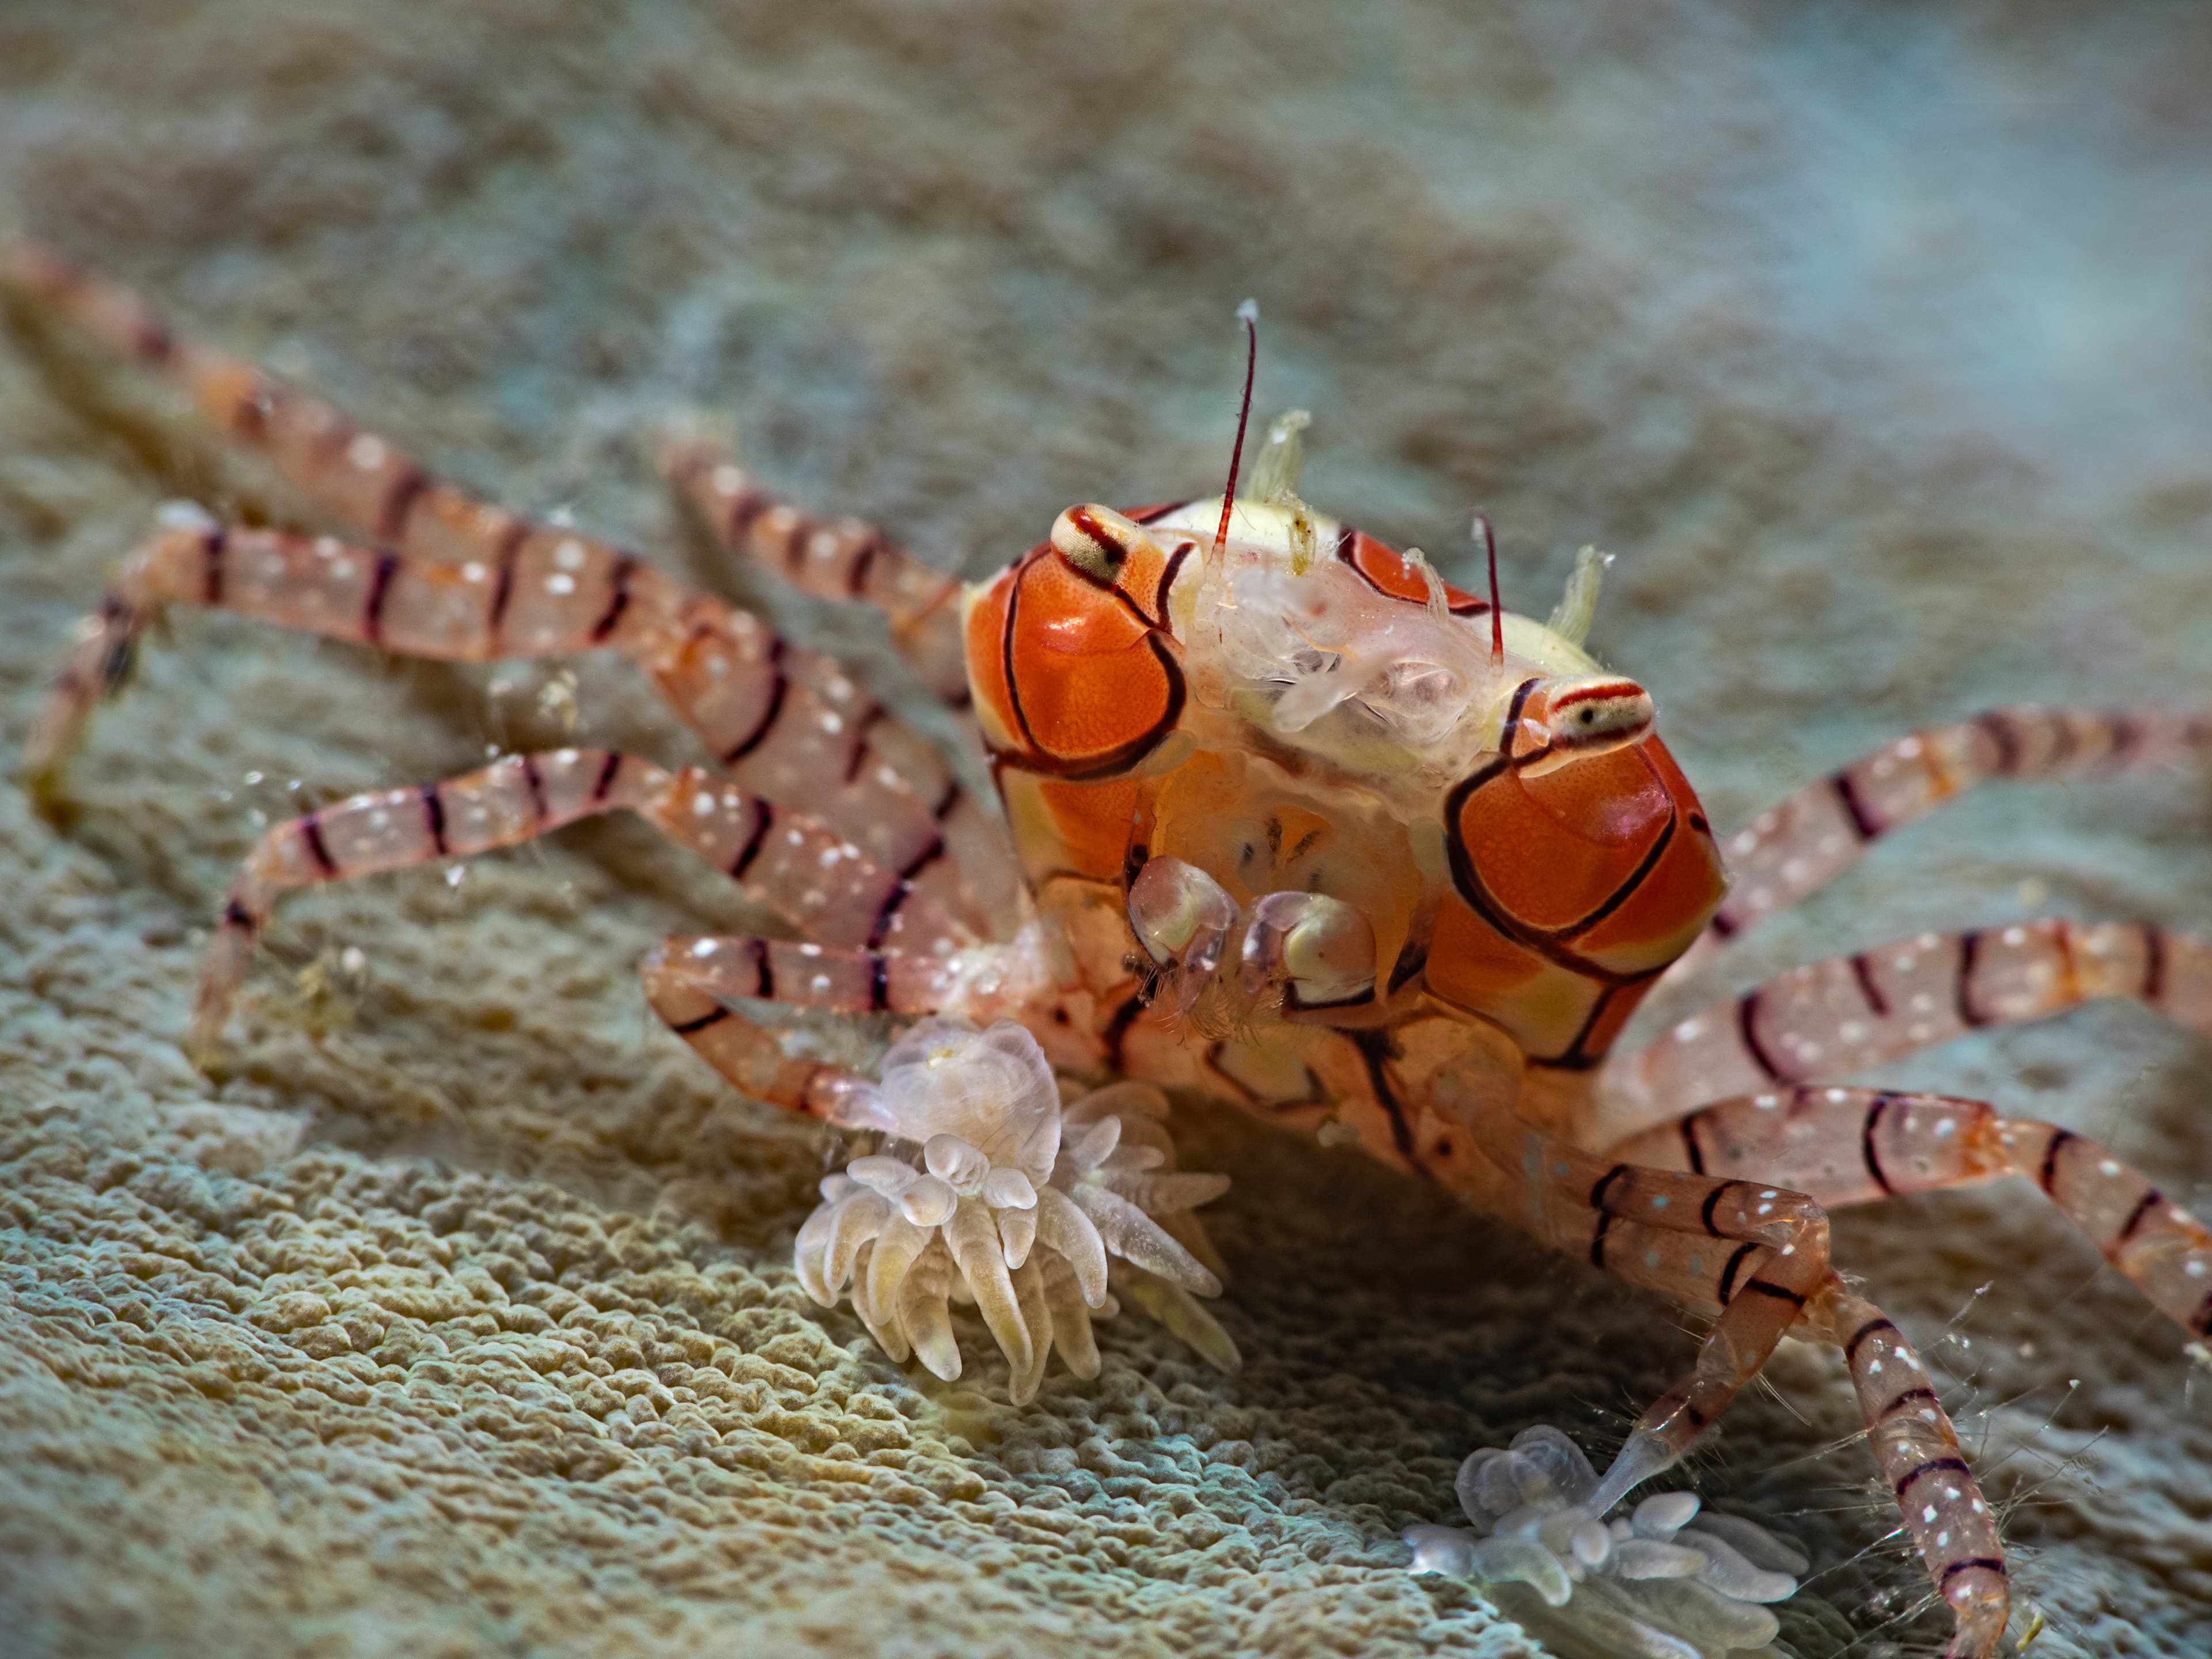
x,y
456,1315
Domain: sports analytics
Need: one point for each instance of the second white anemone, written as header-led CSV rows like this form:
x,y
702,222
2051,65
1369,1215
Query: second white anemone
x,y
1669,1580
991,1188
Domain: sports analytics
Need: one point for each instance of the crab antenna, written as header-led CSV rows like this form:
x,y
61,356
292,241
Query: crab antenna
x,y
1249,314
1497,611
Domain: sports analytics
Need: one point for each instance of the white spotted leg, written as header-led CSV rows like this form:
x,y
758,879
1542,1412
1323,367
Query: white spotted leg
x,y
1910,1434
1770,1242
1912,1438
1808,840
820,883
849,561
727,676
1731,1261
788,719
842,559
723,995
1856,1145
741,1050
1832,1017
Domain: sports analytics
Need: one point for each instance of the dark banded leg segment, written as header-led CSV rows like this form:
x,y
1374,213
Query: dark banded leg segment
x,y
1833,1018
362,480
1944,1511
804,975
1804,842
1911,1435
752,698
693,983
544,589
841,559
1769,1243
885,753
744,1052
817,880
1856,1145
849,561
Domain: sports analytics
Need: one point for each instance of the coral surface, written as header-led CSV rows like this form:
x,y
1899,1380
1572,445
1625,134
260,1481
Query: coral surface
x,y
456,1315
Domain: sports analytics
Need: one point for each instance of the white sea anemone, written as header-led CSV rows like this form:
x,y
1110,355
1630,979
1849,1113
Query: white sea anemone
x,y
1662,1581
991,1189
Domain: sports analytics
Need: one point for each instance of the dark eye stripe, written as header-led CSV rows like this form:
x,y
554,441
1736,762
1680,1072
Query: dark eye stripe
x,y
1614,691
1167,584
1115,556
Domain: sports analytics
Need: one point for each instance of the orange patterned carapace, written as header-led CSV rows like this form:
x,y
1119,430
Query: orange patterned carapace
x,y
1308,714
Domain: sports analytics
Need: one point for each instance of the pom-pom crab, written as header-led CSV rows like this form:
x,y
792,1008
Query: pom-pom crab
x,y
1297,825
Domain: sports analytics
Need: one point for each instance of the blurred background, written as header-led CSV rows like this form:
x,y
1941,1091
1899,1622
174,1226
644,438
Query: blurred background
x,y
1876,341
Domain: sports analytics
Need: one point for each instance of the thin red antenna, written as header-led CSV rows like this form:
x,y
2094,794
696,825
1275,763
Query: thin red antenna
x,y
1249,314
1497,611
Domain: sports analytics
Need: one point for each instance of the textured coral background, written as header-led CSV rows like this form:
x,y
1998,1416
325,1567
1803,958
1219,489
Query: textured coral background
x,y
453,1315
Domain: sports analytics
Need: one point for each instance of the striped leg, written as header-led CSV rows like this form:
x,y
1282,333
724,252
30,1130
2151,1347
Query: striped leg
x,y
1762,1248
368,483
748,1054
847,561
1833,1018
1926,1467
1906,1425
363,480
1855,1145
832,558
1910,1434
692,982
732,681
821,885
1813,837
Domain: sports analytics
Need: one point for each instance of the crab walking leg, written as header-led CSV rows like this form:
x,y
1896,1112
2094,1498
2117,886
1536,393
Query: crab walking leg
x,y
1856,1145
1814,835
691,982
790,722
364,481
820,883
1833,1018
369,483
833,558
746,1054
725,674
1926,1467
1910,1434
1778,1240
915,975
847,561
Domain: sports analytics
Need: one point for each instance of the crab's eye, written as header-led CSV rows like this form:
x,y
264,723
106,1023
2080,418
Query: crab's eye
x,y
1098,542
1562,721
1612,713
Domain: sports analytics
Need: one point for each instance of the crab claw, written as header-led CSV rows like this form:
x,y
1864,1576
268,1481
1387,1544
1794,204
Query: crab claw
x,y
1320,949
1181,916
